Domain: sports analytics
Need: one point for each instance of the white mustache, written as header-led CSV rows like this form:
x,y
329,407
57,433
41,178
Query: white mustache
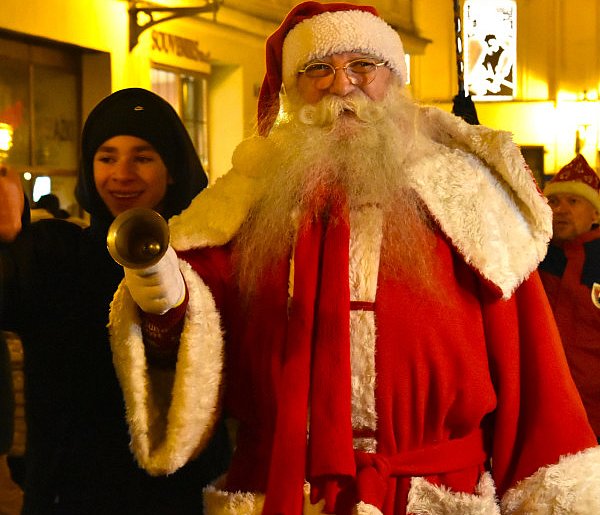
x,y
331,107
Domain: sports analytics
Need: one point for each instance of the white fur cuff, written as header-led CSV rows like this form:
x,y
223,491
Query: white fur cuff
x,y
171,414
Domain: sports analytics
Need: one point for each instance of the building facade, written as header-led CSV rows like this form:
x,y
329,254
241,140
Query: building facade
x,y
58,58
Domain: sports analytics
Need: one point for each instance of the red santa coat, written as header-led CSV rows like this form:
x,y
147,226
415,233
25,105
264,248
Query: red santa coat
x,y
468,378
433,380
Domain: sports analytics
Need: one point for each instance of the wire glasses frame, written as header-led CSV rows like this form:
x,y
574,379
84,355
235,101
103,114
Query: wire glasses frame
x,y
360,72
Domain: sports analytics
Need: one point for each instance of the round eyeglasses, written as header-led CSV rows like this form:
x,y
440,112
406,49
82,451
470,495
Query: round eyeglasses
x,y
360,72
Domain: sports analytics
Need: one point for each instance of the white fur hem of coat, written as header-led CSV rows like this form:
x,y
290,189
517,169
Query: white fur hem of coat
x,y
222,502
570,487
424,499
187,397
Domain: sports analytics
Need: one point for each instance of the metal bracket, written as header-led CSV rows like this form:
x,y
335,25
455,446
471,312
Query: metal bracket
x,y
135,28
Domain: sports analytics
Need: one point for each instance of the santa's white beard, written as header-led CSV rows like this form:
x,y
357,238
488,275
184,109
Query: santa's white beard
x,y
354,147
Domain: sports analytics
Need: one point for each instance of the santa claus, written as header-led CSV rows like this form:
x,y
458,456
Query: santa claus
x,y
359,294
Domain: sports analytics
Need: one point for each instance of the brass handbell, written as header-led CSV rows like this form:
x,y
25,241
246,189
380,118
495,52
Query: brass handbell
x,y
138,238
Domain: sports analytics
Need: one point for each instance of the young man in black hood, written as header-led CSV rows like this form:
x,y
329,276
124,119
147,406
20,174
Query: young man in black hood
x,y
58,282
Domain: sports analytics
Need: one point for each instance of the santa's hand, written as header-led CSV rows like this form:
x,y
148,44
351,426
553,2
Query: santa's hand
x,y
158,288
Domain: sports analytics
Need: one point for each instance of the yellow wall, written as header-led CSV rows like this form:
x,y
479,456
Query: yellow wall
x,y
236,61
558,57
235,45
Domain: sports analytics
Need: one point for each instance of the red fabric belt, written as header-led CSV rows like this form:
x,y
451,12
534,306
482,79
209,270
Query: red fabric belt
x,y
363,433
374,469
359,305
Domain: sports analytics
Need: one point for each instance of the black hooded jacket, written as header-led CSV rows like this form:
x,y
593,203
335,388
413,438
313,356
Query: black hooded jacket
x,y
58,282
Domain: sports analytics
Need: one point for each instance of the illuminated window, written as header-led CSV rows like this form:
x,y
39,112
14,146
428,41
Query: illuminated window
x,y
39,99
40,119
490,50
187,93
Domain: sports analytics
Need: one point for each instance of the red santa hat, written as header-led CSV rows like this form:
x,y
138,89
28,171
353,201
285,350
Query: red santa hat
x,y
313,30
577,178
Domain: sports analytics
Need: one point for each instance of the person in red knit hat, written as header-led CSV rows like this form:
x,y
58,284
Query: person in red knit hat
x,y
570,273
362,300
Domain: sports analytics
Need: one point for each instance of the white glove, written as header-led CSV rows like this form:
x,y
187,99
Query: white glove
x,y
158,288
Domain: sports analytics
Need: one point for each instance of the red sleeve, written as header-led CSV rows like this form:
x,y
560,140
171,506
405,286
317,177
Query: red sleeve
x,y
161,334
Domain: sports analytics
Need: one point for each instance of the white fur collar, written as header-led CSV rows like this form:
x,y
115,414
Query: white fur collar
x,y
472,179
477,186
216,214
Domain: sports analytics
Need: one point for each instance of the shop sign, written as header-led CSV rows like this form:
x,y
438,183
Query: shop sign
x,y
178,46
490,48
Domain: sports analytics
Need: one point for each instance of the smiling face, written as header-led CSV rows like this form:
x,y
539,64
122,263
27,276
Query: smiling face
x,y
572,216
129,172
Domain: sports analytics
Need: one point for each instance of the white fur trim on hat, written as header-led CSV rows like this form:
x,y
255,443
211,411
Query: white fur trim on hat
x,y
578,188
338,32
